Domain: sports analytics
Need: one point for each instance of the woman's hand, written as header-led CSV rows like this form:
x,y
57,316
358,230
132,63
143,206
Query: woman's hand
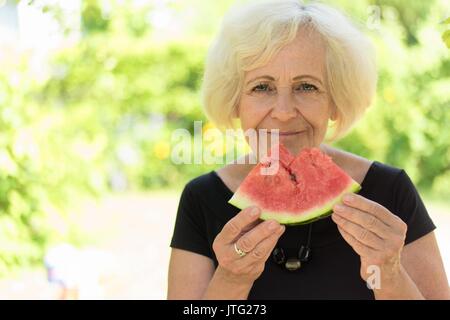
x,y
256,239
376,234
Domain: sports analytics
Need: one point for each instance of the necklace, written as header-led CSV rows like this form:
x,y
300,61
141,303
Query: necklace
x,y
293,263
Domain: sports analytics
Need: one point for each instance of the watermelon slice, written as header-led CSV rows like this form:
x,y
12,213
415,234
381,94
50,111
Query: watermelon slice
x,y
302,190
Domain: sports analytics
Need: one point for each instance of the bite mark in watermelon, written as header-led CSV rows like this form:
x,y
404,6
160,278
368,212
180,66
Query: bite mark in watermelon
x,y
303,189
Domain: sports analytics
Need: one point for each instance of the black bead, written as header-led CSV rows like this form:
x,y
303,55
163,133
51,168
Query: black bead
x,y
304,254
278,255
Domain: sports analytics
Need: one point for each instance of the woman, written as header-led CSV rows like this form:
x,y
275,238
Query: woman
x,y
298,68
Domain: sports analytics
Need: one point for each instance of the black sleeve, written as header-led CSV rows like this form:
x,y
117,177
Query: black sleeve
x,y
410,207
190,229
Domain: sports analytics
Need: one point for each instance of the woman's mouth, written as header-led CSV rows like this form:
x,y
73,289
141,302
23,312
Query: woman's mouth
x,y
290,133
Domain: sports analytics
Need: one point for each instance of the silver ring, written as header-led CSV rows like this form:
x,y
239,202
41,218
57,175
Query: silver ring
x,y
239,251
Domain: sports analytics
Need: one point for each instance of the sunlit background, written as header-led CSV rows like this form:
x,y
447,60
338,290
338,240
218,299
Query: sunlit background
x,y
90,93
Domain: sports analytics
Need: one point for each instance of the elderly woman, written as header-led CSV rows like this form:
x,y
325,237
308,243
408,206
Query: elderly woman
x,y
300,69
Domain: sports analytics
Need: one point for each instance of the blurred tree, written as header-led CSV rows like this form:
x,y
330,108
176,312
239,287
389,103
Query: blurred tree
x,y
411,15
104,115
94,18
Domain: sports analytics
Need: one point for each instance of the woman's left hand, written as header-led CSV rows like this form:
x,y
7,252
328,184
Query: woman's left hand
x,y
375,233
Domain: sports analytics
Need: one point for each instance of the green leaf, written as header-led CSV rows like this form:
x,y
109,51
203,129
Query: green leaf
x,y
446,38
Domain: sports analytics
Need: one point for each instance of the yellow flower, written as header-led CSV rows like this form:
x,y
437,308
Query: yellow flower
x,y
207,126
161,150
389,95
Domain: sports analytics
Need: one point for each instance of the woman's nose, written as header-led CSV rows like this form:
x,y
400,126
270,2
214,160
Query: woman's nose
x,y
284,108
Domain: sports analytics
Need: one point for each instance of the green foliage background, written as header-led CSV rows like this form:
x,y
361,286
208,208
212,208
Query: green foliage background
x,y
102,118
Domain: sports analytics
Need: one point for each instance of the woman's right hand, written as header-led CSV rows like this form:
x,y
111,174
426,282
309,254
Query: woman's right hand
x,y
250,235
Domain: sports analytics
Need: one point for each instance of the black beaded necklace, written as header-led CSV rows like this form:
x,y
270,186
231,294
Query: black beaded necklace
x,y
293,263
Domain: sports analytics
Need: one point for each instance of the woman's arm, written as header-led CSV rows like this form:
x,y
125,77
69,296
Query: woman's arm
x,y
189,275
422,261
221,288
422,274
192,277
414,271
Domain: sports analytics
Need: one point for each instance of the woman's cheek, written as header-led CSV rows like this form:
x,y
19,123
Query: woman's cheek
x,y
251,113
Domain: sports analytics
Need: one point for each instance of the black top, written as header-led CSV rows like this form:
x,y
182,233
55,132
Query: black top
x,y
333,271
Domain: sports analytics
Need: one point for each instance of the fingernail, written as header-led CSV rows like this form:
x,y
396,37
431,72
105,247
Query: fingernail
x,y
281,230
338,207
348,198
273,225
254,211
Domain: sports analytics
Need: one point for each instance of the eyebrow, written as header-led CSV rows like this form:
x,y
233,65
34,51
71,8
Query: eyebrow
x,y
266,77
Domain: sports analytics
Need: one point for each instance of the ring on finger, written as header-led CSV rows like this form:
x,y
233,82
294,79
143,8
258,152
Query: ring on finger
x,y
239,251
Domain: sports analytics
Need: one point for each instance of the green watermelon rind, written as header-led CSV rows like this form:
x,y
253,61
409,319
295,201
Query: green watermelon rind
x,y
241,201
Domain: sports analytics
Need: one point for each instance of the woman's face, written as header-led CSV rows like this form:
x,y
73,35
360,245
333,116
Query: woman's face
x,y
289,94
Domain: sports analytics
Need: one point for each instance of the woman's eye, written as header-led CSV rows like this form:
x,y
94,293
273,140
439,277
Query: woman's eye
x,y
307,87
265,87
261,87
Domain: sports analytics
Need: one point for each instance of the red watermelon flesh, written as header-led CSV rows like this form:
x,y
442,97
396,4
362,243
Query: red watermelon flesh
x,y
303,189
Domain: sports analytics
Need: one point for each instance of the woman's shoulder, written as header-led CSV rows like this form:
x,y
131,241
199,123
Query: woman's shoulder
x,y
208,196
385,170
365,170
208,188
201,183
382,182
394,179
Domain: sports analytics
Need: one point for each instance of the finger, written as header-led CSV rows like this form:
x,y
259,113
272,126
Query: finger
x,y
263,250
369,206
364,219
249,240
360,248
361,234
251,226
233,228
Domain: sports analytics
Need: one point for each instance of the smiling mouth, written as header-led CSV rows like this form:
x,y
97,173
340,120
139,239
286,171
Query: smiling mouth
x,y
290,133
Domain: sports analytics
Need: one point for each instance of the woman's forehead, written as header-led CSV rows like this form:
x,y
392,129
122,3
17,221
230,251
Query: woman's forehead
x,y
304,55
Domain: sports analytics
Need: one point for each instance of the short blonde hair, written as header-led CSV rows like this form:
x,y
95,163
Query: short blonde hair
x,y
252,34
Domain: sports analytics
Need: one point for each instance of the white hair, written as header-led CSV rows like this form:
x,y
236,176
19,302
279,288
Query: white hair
x,y
250,35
